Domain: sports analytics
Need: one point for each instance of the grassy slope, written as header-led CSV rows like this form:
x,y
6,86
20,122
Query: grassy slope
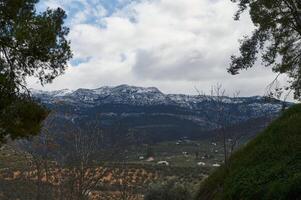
x,y
269,167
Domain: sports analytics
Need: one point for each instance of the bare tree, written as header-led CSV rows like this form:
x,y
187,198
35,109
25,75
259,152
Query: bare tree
x,y
72,164
37,151
233,136
219,113
84,175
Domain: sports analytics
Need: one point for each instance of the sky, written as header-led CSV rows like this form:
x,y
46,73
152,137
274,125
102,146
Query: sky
x,y
174,45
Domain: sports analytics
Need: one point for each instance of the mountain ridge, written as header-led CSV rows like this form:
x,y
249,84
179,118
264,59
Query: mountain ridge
x,y
161,116
150,95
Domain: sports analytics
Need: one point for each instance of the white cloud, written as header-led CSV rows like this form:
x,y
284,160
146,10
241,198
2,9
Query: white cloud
x,y
171,44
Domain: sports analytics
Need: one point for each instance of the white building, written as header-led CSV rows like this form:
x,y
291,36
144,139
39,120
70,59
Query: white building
x,y
163,162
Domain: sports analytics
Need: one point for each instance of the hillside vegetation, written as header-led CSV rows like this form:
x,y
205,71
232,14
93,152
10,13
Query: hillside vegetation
x,y
269,167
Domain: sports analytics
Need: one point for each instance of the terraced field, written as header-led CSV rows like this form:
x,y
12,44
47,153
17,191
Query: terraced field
x,y
128,179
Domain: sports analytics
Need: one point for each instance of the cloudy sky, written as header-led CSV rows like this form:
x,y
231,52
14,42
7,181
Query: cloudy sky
x,y
175,45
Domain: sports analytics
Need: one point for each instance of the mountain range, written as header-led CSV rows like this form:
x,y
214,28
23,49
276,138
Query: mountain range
x,y
153,115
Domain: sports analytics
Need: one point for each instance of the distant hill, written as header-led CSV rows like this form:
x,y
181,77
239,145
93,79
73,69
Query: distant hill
x,y
151,114
269,167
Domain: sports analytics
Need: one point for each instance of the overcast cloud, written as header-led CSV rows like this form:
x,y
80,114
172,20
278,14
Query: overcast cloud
x,y
174,45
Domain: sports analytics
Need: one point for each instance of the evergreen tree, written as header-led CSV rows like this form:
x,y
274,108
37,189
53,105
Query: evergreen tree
x,y
31,44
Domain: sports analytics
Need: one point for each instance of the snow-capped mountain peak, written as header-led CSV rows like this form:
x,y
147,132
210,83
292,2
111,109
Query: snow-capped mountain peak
x,y
144,96
55,93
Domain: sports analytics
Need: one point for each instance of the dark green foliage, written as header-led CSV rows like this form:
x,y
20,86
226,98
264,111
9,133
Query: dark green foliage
x,y
31,44
21,118
168,191
277,36
269,167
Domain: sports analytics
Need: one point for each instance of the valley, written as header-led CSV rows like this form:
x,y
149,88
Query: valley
x,y
117,142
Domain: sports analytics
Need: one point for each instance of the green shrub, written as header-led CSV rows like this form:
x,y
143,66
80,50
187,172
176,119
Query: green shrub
x,y
168,191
